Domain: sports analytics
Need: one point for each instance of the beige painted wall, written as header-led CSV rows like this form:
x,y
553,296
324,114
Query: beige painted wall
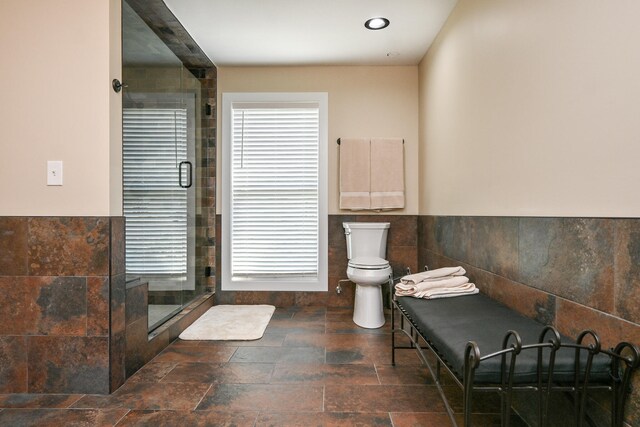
x,y
363,101
532,108
59,57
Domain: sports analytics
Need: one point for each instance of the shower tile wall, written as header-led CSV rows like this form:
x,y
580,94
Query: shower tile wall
x,y
574,273
55,278
402,252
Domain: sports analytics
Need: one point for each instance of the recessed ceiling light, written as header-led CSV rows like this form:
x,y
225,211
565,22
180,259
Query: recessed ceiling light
x,y
376,23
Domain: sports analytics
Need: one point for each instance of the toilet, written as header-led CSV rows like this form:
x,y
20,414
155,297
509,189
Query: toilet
x,y
367,268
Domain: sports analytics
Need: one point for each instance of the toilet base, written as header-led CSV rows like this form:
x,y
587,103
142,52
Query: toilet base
x,y
367,310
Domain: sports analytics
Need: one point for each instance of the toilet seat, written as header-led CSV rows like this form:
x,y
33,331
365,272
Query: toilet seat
x,y
368,263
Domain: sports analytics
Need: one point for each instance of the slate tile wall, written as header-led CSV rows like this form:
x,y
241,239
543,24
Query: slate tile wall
x,y
573,273
402,252
55,278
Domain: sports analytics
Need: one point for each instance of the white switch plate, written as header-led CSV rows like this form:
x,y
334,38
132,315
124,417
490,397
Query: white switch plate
x,y
54,172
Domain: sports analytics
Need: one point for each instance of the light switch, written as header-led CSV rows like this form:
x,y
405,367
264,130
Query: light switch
x,y
54,172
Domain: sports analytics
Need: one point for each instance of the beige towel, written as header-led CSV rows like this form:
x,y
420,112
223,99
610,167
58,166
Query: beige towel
x,y
431,275
448,293
419,289
387,173
355,166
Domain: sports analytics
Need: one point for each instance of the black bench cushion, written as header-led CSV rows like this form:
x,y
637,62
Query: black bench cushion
x,y
449,323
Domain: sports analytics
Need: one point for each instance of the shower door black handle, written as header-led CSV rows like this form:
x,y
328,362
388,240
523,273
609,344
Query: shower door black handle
x,y
189,175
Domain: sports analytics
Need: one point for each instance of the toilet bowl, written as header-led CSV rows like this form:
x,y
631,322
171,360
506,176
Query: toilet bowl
x,y
367,268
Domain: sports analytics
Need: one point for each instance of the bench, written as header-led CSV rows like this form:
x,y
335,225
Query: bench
x,y
487,347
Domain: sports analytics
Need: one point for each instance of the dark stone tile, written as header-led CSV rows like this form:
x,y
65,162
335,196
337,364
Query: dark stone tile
x,y
437,233
136,303
97,306
569,257
117,246
263,397
328,341
336,230
338,262
302,299
290,326
68,364
324,419
117,360
403,230
627,269
14,260
13,369
324,374
267,340
118,295
403,257
461,245
188,418
69,246
382,398
139,395
278,299
310,313
24,400
527,301
61,417
345,298
348,356
403,375
423,419
152,372
572,318
43,305
278,355
494,245
208,354
221,373
348,327
137,346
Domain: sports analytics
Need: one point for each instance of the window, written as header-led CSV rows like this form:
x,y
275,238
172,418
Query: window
x,y
274,191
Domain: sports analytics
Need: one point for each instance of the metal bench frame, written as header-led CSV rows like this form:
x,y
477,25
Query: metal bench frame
x,y
625,359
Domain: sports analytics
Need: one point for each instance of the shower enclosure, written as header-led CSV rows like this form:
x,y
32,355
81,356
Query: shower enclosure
x,y
162,164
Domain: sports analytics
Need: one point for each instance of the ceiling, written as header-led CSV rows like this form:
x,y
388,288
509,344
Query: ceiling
x,y
311,32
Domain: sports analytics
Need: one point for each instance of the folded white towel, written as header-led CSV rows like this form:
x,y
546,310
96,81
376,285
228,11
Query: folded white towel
x,y
450,294
406,289
433,274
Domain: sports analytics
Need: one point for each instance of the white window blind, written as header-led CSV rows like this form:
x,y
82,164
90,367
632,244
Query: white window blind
x,y
155,207
275,190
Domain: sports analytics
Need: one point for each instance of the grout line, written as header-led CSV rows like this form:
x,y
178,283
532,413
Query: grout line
x,y
203,396
122,417
324,388
75,401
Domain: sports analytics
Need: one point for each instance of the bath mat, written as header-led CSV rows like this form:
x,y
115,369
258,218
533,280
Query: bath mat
x,y
230,322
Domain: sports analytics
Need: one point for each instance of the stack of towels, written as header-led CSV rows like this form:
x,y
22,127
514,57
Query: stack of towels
x,y
440,283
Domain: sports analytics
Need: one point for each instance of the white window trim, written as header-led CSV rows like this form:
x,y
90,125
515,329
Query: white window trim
x,y
318,284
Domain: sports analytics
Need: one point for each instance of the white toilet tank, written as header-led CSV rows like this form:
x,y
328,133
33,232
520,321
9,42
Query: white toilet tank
x,y
366,239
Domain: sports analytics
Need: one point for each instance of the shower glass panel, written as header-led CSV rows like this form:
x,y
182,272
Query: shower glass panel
x,y
162,158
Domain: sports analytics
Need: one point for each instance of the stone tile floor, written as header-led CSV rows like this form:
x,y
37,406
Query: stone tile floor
x,y
313,367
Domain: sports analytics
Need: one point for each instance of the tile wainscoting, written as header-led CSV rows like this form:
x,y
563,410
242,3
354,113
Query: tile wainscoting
x,y
58,280
68,321
573,273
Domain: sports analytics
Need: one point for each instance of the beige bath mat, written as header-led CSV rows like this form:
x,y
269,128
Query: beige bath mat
x,y
230,322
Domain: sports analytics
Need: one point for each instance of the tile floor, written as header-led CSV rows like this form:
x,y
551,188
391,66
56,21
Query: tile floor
x,y
313,367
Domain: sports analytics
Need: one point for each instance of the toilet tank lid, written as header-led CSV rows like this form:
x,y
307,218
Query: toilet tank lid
x,y
374,225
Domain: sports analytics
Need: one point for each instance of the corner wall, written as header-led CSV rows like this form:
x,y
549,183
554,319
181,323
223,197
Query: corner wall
x,y
528,148
531,108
